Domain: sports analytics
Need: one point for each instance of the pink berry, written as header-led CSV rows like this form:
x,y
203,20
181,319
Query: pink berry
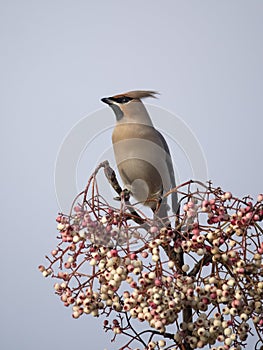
x,y
213,295
196,231
153,229
114,253
157,282
205,301
130,268
41,268
59,218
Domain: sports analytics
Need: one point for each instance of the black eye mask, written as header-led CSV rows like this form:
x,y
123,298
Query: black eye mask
x,y
123,99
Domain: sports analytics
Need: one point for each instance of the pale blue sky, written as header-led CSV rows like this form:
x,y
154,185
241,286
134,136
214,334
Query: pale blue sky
x,y
58,58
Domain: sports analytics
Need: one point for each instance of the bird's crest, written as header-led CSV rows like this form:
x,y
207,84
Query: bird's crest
x,y
138,94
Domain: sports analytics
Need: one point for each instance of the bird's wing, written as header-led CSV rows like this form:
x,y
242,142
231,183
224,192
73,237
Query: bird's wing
x,y
175,205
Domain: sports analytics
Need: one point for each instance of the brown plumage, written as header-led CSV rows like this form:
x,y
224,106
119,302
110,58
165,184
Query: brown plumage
x,y
138,94
141,152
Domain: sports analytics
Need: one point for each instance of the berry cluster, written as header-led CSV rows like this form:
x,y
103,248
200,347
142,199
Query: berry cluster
x,y
196,285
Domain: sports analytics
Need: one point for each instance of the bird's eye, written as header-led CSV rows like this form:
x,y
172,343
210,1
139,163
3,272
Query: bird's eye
x,y
123,99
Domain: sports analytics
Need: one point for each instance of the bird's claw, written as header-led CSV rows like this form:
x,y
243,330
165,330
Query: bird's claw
x,y
125,194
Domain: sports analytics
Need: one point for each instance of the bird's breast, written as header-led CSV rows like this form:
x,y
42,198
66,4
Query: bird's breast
x,y
141,161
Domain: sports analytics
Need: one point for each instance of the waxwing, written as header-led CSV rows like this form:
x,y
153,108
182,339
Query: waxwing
x,y
141,152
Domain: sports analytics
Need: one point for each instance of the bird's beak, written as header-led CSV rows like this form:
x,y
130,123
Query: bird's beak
x,y
106,100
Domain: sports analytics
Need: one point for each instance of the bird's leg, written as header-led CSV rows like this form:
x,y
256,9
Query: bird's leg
x,y
125,194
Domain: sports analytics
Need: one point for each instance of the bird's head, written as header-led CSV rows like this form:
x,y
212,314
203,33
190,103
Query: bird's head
x,y
129,106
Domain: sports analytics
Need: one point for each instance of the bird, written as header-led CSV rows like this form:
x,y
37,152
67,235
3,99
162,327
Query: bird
x,y
141,152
